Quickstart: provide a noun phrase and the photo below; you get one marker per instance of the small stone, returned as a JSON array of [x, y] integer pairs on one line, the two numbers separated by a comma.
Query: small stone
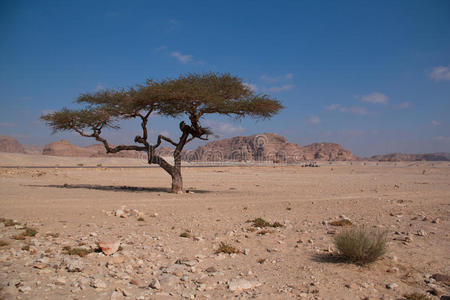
[[242, 284], [421, 233], [60, 281], [154, 215], [74, 265], [155, 284], [120, 213], [109, 248], [391, 286], [98, 284], [436, 221], [211, 270], [138, 283], [24, 289], [246, 251]]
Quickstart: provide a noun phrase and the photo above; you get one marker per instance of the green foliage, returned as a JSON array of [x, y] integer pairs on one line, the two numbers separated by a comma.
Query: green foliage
[[193, 95], [361, 246]]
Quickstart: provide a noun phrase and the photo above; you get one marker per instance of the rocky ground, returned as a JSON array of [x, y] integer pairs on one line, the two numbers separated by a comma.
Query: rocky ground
[[169, 243]]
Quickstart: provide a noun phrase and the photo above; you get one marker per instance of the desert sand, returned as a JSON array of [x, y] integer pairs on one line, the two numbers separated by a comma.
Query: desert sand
[[77, 207]]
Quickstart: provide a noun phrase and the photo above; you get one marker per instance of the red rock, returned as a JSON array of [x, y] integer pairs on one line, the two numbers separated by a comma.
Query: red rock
[[109, 248]]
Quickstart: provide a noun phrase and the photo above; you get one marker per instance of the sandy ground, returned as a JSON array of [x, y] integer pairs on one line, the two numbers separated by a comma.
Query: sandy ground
[[409, 200]]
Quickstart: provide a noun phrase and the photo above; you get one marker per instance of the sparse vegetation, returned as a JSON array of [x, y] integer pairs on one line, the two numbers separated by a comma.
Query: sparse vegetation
[[261, 260], [8, 222], [26, 248], [342, 223], [141, 219], [186, 234], [28, 232], [82, 252], [260, 222], [416, 296], [361, 246], [226, 248], [3, 243]]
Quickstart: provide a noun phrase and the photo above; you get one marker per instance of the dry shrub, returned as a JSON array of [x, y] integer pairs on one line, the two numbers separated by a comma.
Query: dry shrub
[[342, 223], [226, 248], [260, 222], [76, 251], [416, 296], [361, 246], [8, 222], [3, 243]]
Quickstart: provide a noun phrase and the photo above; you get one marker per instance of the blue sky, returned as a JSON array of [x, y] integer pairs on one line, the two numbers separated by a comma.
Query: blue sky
[[373, 76]]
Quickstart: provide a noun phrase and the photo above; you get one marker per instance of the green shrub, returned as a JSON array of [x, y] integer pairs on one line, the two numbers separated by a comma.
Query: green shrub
[[361, 246]]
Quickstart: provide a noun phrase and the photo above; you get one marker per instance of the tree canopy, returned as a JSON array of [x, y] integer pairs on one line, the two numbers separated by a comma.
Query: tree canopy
[[189, 97]]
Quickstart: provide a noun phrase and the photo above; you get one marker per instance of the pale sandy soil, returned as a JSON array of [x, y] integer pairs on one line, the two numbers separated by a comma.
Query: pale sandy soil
[[400, 198]]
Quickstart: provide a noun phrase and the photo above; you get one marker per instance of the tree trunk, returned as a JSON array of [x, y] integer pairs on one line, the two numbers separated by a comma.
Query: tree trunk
[[177, 182]]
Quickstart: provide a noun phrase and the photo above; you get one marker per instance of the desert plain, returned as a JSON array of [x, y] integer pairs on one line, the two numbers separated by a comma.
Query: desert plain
[[96, 200]]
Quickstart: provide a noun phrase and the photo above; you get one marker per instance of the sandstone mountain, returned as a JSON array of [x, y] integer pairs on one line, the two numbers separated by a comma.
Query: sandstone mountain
[[412, 157], [65, 148], [266, 147], [9, 144]]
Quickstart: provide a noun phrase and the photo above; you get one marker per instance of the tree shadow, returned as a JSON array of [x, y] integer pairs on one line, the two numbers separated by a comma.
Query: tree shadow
[[116, 188]]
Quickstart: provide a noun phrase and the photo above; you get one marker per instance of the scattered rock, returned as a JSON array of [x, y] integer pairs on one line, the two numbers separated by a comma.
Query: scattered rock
[[109, 248], [155, 284], [242, 284], [391, 286], [98, 283]]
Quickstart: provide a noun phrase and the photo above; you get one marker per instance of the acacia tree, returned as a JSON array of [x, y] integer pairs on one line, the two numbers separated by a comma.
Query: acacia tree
[[189, 97]]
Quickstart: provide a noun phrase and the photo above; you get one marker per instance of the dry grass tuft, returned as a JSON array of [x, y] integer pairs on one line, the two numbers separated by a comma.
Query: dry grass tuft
[[3, 243], [342, 223], [226, 248], [416, 296], [8, 222], [361, 246], [82, 252], [141, 219], [261, 260], [260, 222], [53, 235]]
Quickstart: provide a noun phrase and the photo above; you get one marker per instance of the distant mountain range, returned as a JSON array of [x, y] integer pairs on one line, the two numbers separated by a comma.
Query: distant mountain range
[[264, 147]]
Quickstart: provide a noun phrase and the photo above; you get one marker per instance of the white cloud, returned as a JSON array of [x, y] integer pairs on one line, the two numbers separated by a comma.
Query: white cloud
[[441, 73], [223, 128], [182, 58], [375, 98], [282, 88], [435, 123], [404, 105], [7, 124], [314, 120], [252, 87], [99, 88], [357, 110]]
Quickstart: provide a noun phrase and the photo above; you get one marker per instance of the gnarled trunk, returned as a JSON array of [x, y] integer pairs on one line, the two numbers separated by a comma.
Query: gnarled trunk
[[177, 182]]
